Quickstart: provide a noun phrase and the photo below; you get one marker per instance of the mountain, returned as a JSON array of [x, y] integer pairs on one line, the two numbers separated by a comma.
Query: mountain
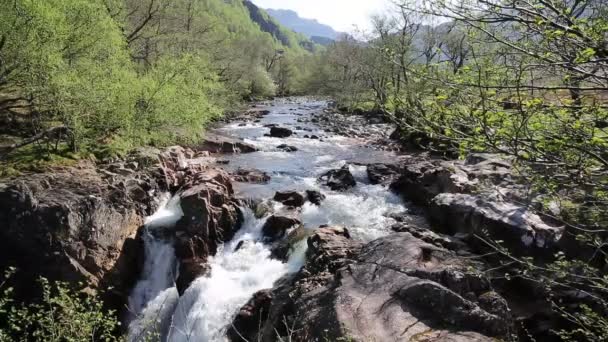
[[308, 27], [283, 33]]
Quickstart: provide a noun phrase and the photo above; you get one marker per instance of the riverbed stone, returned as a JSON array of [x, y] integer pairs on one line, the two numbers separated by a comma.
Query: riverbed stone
[[276, 226], [287, 148], [216, 143], [253, 176], [290, 198], [382, 173], [280, 132], [338, 180], [315, 197]]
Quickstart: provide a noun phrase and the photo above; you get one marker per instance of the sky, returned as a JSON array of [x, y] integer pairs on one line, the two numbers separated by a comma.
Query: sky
[[342, 15]]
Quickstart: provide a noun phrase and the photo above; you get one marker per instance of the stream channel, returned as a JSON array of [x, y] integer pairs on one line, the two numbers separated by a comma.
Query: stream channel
[[206, 309]]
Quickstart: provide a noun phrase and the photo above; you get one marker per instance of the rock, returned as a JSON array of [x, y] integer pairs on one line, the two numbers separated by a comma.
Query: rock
[[338, 180], [522, 231], [211, 216], [382, 173], [276, 226], [250, 176], [290, 198], [189, 271], [259, 207], [280, 132], [287, 148], [396, 288], [315, 197], [79, 225], [245, 324], [420, 182], [216, 143]]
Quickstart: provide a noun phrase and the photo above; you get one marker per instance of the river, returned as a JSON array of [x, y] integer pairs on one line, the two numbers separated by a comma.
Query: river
[[207, 308]]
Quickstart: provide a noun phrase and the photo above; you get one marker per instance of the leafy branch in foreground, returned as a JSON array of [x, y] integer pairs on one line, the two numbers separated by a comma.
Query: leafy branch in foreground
[[61, 314]]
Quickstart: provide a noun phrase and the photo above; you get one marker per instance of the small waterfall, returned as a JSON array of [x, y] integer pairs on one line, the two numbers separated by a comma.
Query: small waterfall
[[206, 309], [209, 305], [153, 300]]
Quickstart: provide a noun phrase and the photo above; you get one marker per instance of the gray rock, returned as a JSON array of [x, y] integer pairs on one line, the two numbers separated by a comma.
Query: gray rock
[[216, 143], [383, 173], [290, 198], [315, 197], [521, 230], [280, 132], [338, 180], [396, 288], [276, 226], [250, 176]]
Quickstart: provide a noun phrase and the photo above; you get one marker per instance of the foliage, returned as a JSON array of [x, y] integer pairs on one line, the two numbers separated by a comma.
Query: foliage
[[60, 315], [526, 79], [126, 73]]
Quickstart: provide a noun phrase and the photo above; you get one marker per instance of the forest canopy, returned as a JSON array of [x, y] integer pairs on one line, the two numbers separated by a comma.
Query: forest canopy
[[82, 75]]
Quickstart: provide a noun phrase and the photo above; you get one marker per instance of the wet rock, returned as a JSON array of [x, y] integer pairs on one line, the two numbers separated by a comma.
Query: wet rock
[[522, 231], [396, 288], [338, 180], [280, 132], [315, 197], [276, 226], [290, 198], [383, 173], [216, 143], [189, 271], [211, 216], [250, 176], [259, 207], [244, 327], [281, 249], [287, 148]]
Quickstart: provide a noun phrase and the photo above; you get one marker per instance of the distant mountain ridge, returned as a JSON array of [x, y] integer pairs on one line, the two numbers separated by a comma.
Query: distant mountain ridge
[[309, 27]]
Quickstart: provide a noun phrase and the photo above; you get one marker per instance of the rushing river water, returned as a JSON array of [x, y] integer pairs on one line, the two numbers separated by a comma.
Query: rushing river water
[[207, 308]]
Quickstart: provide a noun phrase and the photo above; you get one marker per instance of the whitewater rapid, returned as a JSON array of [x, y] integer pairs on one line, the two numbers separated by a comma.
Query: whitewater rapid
[[206, 309]]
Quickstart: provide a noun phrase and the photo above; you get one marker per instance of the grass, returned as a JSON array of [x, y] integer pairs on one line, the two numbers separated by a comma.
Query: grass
[[35, 158]]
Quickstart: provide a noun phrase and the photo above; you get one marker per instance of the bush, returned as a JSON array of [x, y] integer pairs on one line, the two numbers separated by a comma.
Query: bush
[[61, 314]]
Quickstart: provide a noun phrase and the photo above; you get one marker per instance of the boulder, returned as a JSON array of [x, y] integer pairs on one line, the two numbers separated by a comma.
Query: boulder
[[315, 197], [382, 173], [280, 132], [396, 288], [216, 143], [211, 216], [420, 182], [290, 198], [338, 180], [521, 230], [287, 148], [276, 226], [244, 327], [250, 176]]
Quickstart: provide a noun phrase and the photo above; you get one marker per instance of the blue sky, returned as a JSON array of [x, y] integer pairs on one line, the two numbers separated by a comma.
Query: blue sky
[[342, 15]]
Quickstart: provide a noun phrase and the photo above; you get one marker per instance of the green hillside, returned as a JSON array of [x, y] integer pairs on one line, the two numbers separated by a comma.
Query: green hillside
[[123, 73]]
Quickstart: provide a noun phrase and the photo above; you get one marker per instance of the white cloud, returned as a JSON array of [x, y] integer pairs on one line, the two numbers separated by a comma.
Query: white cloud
[[342, 15]]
